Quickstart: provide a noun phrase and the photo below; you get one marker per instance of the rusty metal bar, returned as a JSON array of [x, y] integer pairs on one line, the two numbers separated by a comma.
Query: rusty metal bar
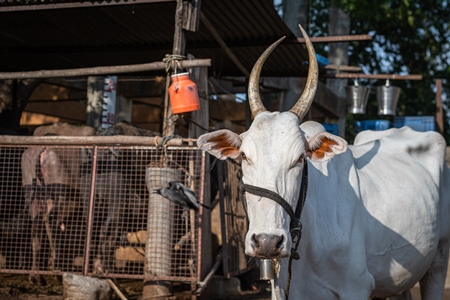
[[154, 66], [90, 217], [90, 140], [115, 275], [110, 275], [27, 271], [220, 174], [338, 38], [375, 76], [203, 284], [200, 216]]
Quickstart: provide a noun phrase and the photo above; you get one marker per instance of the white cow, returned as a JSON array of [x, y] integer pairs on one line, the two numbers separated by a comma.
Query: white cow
[[376, 214]]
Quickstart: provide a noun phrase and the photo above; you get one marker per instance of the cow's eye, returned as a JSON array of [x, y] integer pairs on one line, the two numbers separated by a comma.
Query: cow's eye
[[243, 156], [301, 159]]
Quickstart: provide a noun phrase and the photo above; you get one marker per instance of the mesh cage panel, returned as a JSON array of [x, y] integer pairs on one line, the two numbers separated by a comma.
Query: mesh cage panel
[[94, 210], [235, 222]]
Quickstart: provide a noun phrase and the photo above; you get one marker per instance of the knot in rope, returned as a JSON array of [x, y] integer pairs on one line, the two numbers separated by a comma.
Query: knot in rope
[[173, 62]]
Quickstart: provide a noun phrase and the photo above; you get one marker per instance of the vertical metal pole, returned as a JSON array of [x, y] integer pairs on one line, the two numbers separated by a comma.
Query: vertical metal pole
[[90, 214], [439, 111]]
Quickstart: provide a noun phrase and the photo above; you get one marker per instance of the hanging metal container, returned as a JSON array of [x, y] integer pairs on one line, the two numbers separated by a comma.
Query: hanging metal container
[[387, 97], [357, 98]]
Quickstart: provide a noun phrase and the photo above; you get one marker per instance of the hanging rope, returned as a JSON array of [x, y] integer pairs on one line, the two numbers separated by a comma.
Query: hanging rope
[[173, 62]]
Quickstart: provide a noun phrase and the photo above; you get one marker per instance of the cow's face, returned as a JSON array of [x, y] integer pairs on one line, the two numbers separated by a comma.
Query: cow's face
[[274, 151]]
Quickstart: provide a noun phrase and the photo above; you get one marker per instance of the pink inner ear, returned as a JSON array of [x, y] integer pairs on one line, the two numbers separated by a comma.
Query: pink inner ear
[[321, 147], [231, 152], [223, 144]]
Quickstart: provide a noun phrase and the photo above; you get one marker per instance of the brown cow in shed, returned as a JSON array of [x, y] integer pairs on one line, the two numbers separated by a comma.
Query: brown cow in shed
[[51, 180]]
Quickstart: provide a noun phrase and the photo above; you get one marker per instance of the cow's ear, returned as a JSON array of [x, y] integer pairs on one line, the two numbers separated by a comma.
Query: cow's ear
[[324, 146], [222, 144]]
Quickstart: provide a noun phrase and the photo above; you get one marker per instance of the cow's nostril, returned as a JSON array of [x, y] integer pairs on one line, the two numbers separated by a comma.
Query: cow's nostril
[[280, 242], [255, 241]]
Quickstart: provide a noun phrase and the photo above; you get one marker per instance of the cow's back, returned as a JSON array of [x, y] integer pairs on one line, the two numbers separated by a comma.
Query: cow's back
[[57, 165], [64, 129], [402, 175]]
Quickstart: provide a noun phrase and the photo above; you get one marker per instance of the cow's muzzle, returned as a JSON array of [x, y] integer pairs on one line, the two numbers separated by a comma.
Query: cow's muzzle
[[268, 245]]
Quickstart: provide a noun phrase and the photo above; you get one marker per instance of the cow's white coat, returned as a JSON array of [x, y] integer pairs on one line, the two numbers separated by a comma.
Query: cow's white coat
[[376, 218]]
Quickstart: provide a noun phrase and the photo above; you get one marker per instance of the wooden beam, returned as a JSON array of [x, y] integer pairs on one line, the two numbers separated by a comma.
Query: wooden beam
[[337, 38], [46, 6], [154, 66], [178, 48], [191, 15], [374, 76], [223, 45], [343, 68]]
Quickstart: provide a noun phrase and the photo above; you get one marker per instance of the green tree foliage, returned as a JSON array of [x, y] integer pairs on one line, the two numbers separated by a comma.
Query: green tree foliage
[[409, 37]]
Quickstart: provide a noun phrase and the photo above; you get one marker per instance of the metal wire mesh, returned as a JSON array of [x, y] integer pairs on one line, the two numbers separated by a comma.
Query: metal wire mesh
[[94, 210]]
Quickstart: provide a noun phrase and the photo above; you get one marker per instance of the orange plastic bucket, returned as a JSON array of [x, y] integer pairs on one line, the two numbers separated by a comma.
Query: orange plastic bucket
[[183, 94]]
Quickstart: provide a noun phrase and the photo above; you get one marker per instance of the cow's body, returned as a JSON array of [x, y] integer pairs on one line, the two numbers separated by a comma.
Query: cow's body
[[404, 183], [375, 220], [375, 212], [51, 181]]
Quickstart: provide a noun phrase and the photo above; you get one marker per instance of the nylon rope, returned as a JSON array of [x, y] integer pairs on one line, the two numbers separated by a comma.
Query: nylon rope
[[173, 62]]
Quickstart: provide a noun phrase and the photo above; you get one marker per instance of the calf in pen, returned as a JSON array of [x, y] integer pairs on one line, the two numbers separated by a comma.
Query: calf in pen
[[51, 180]]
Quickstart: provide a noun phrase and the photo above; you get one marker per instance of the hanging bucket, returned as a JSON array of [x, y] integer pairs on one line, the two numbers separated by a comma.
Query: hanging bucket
[[183, 94], [387, 97], [357, 99]]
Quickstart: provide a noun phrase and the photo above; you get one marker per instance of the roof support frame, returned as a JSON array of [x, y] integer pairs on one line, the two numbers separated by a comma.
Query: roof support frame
[[46, 6]]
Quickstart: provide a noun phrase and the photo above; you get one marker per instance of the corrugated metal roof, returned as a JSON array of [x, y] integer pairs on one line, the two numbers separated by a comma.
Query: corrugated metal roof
[[141, 33]]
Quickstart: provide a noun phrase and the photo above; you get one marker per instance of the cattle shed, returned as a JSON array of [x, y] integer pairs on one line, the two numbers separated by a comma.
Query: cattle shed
[[59, 48], [61, 35]]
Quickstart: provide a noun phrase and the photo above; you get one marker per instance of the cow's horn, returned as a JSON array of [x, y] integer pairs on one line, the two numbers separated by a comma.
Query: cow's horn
[[304, 102], [254, 98]]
